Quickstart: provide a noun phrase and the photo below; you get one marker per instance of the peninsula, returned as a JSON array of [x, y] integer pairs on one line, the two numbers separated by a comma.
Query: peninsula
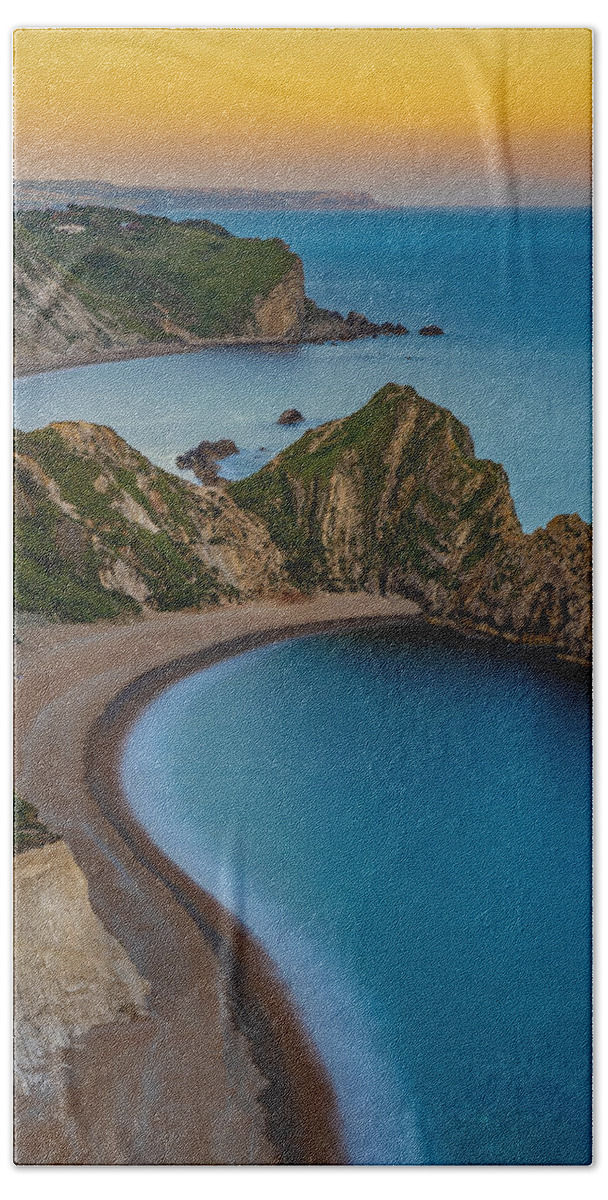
[[389, 501], [97, 284]]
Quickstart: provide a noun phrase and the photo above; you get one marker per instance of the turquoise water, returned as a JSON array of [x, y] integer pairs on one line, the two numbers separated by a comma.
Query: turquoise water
[[510, 287], [406, 826]]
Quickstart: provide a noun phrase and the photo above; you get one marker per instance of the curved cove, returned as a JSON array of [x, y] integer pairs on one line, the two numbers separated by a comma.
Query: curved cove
[[405, 824]]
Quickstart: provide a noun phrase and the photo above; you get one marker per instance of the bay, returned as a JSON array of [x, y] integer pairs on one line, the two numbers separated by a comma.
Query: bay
[[510, 287]]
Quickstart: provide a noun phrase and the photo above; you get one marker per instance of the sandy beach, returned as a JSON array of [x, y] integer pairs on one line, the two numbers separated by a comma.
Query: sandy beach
[[139, 350], [220, 1070]]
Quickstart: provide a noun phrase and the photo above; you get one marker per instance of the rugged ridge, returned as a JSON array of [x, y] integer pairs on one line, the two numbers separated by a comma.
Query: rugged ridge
[[393, 500], [94, 284], [101, 532]]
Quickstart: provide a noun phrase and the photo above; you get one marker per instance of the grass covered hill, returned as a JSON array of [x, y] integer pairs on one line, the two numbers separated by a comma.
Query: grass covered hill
[[96, 283], [389, 500], [101, 532], [393, 499], [138, 278]]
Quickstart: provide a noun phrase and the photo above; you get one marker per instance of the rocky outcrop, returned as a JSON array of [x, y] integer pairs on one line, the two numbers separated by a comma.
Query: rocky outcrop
[[101, 532], [71, 976], [291, 416], [430, 331], [279, 316], [393, 500], [203, 459], [324, 325]]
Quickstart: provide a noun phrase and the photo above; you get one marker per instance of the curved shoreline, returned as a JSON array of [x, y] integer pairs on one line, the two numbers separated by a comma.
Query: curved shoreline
[[78, 691], [150, 350], [159, 349], [303, 1119]]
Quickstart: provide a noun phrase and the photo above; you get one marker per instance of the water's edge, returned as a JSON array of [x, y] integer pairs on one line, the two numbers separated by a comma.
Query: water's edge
[[302, 1108], [302, 1112]]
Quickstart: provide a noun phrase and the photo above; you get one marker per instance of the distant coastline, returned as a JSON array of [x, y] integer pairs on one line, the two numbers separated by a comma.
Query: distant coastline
[[58, 193], [40, 193]]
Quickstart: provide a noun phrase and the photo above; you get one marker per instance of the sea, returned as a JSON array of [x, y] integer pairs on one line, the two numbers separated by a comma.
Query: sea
[[510, 287], [405, 823]]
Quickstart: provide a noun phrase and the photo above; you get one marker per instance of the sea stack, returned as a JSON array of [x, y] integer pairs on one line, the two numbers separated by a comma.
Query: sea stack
[[291, 416]]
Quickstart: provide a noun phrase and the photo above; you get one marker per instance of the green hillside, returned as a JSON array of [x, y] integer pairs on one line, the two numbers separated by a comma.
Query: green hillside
[[101, 532], [393, 499], [146, 271]]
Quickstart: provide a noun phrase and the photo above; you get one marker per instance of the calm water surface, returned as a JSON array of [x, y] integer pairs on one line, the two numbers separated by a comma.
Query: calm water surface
[[510, 287], [406, 826]]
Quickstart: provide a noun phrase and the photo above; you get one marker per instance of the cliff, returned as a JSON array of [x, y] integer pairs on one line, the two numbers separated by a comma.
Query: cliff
[[95, 283], [101, 532], [393, 500], [71, 977]]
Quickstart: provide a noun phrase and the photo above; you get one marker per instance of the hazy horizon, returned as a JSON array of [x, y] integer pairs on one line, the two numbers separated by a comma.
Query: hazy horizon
[[416, 117], [562, 202]]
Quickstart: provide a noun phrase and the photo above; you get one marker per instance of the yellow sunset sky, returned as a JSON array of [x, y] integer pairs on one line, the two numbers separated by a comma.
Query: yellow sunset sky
[[410, 115]]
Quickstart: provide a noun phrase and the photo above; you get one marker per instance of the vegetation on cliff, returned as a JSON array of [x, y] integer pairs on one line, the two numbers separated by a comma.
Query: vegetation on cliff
[[390, 500], [29, 832], [393, 499], [93, 282], [101, 532], [156, 278]]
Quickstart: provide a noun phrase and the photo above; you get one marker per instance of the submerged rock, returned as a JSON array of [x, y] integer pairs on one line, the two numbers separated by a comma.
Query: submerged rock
[[291, 416], [430, 331]]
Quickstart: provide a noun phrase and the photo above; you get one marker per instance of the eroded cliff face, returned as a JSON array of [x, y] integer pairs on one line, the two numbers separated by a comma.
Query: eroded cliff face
[[98, 284], [51, 322], [279, 316], [393, 500], [71, 975], [101, 532]]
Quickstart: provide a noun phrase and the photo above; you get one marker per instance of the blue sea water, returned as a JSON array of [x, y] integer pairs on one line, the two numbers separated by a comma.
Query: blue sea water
[[406, 826], [510, 287]]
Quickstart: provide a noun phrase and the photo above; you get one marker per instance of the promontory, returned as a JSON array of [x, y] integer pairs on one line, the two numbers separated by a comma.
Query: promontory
[[97, 284]]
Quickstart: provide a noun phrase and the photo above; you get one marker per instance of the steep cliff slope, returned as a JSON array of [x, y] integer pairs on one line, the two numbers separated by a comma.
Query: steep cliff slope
[[92, 282], [393, 499], [101, 532], [389, 500]]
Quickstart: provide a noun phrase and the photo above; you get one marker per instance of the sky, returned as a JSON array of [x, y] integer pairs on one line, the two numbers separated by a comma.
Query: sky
[[412, 116]]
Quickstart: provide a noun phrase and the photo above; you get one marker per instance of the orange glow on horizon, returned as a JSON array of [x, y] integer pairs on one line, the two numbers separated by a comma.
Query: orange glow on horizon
[[233, 107]]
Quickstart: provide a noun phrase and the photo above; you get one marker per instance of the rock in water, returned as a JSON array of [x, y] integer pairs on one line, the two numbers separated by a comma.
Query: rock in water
[[203, 459], [291, 416], [430, 330]]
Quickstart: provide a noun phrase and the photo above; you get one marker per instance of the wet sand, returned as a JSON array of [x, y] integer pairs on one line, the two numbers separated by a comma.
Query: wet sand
[[222, 1069]]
